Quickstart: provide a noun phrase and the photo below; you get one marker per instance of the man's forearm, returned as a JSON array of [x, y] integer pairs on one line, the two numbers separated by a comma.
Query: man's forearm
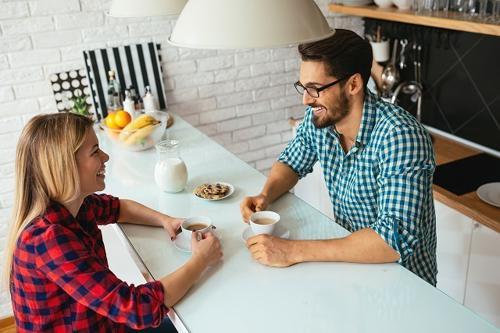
[[280, 180], [362, 246]]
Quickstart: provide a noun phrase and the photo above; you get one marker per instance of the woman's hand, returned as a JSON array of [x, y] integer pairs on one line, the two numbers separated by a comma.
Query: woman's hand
[[172, 225], [206, 247]]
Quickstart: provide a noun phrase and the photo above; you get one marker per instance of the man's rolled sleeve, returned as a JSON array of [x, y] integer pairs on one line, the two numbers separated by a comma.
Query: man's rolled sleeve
[[64, 260], [405, 181], [300, 154]]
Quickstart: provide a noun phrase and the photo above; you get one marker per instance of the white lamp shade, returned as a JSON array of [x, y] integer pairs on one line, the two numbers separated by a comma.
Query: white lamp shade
[[141, 8], [234, 24]]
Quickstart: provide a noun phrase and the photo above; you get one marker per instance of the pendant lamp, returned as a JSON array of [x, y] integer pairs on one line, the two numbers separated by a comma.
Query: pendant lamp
[[235, 24], [142, 8]]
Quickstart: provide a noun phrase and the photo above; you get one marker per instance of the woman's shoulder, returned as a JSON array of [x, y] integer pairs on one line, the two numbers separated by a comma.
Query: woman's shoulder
[[38, 231]]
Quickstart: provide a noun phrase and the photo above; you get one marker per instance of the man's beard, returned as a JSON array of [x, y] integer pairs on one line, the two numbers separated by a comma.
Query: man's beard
[[334, 115]]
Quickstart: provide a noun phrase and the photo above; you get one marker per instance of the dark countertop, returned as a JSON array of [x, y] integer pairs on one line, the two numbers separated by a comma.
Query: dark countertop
[[468, 204]]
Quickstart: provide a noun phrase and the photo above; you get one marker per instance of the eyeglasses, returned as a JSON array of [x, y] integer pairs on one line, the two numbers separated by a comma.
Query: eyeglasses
[[313, 91]]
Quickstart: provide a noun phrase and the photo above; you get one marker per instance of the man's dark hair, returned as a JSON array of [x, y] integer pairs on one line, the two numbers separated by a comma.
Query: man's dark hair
[[344, 53]]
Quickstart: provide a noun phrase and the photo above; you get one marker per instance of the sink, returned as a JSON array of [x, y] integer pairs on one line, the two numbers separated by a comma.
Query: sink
[[467, 174]]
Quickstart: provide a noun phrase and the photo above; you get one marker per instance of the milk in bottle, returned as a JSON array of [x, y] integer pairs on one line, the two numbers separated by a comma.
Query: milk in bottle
[[170, 170]]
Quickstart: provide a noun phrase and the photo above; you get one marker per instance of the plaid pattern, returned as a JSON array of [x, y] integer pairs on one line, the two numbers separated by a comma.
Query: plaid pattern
[[384, 182], [61, 282]]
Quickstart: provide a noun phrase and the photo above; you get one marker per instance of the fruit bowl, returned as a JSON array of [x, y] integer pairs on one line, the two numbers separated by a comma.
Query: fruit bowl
[[142, 133]]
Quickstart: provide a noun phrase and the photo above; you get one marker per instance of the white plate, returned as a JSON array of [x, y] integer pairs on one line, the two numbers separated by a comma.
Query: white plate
[[231, 191], [490, 193], [183, 246], [279, 231]]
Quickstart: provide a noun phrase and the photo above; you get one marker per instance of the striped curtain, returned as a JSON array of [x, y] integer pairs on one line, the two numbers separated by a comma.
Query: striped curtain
[[136, 65]]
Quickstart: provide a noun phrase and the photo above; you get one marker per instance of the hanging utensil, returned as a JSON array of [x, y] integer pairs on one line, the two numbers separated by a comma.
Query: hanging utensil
[[419, 63], [390, 74], [402, 63]]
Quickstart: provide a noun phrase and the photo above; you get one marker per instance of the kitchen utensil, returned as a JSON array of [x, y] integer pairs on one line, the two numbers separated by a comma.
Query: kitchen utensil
[[390, 74], [402, 63], [419, 63]]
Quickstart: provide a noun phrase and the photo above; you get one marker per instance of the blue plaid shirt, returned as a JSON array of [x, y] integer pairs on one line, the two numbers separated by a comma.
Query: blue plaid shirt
[[384, 182]]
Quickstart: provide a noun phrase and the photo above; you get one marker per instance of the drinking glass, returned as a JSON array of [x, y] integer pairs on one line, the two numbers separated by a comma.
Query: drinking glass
[[496, 12]]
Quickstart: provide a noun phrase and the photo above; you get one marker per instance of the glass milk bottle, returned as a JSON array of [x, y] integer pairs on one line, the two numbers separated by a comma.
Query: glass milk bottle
[[170, 170]]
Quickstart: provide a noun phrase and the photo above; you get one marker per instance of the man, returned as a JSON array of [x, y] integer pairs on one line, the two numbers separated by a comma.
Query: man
[[377, 162]]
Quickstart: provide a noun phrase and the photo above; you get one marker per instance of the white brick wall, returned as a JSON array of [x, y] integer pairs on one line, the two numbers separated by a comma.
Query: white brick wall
[[240, 98]]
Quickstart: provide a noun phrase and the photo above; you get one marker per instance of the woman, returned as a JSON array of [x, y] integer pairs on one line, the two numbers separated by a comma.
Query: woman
[[59, 275]]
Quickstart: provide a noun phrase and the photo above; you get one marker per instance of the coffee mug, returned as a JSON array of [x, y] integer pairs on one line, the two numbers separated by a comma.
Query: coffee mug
[[264, 222], [200, 224]]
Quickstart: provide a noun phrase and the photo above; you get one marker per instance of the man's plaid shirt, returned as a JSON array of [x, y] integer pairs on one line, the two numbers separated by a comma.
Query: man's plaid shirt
[[61, 282], [384, 182]]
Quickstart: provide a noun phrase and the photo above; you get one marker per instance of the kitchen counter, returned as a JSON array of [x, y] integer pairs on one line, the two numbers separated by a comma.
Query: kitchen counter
[[468, 204]]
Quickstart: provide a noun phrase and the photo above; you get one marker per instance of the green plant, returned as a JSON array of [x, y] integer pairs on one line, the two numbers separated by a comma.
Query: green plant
[[80, 105]]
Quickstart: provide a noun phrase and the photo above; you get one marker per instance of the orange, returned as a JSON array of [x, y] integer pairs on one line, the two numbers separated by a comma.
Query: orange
[[110, 121], [122, 118]]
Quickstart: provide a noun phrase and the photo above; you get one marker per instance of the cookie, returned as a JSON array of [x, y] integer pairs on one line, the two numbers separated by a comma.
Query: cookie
[[211, 191]]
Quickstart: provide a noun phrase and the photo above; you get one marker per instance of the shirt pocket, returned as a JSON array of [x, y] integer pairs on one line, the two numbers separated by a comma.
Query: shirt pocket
[[363, 187]]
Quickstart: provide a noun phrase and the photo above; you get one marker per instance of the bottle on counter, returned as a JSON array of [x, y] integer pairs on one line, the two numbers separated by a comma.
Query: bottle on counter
[[135, 97], [114, 93], [148, 101], [129, 104]]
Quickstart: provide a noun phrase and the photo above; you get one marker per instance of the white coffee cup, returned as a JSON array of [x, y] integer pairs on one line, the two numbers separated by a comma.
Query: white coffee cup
[[200, 224], [380, 50], [264, 222]]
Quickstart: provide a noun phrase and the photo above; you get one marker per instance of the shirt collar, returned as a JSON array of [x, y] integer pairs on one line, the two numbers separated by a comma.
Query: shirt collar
[[57, 213], [368, 118]]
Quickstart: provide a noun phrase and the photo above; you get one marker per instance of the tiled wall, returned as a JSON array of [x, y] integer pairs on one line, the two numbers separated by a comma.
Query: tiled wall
[[461, 74], [240, 98]]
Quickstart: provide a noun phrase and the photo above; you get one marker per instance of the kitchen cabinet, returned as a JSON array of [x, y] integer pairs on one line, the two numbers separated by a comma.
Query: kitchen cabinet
[[120, 261], [454, 233], [482, 292], [312, 189]]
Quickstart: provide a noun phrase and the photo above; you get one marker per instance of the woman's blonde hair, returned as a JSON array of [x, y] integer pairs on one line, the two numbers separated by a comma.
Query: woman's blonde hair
[[45, 170]]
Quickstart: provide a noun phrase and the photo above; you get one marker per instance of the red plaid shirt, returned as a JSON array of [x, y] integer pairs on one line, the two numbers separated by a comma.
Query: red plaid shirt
[[61, 282]]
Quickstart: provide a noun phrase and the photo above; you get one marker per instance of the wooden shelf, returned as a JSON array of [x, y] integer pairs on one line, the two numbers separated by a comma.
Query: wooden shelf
[[438, 20]]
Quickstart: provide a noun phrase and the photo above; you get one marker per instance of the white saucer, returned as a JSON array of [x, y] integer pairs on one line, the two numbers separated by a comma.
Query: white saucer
[[490, 193], [180, 244], [183, 246], [279, 231]]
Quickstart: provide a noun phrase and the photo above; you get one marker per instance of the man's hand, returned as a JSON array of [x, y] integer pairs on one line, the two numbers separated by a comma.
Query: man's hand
[[271, 251], [250, 205]]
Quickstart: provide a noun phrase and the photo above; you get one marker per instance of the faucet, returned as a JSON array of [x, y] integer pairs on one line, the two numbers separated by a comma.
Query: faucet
[[414, 89]]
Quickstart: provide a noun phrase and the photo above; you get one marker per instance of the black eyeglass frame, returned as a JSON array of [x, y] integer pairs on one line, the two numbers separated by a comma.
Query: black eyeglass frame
[[298, 86]]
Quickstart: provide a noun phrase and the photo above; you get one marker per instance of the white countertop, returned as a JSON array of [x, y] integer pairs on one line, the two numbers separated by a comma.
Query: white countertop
[[241, 295]]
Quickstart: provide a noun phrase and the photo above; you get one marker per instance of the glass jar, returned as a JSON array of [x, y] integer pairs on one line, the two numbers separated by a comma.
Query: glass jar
[[170, 170]]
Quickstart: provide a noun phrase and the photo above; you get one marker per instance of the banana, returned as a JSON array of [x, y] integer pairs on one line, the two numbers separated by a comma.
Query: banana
[[140, 122], [139, 136]]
